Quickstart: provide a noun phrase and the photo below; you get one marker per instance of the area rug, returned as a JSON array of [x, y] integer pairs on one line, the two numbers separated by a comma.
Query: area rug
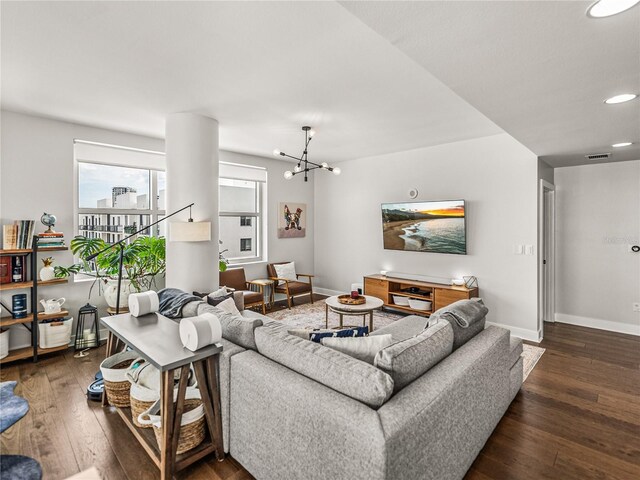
[[12, 407], [312, 315], [530, 356]]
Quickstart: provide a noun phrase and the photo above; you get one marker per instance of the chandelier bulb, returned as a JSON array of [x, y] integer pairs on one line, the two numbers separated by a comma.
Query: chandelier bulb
[[324, 165], [336, 170], [288, 174], [296, 168], [276, 152], [312, 133]]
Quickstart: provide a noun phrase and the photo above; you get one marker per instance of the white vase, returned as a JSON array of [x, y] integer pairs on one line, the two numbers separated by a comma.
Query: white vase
[[111, 293], [47, 273]]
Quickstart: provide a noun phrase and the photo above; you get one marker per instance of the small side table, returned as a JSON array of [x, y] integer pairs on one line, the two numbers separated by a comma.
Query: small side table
[[266, 282], [157, 339], [367, 308]]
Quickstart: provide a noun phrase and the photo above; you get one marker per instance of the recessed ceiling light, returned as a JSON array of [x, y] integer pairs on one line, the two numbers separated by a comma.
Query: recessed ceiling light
[[622, 144], [606, 8], [625, 97]]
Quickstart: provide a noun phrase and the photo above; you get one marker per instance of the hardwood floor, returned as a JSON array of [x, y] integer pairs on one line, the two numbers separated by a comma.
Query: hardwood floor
[[576, 417]]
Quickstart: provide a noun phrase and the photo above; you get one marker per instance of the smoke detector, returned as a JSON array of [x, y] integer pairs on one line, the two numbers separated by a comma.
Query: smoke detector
[[597, 156]]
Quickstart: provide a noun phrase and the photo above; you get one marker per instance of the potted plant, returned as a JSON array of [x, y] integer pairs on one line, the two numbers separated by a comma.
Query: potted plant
[[142, 261]]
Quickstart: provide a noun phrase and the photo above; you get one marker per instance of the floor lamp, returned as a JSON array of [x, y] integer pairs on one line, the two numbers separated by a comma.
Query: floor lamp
[[189, 231]]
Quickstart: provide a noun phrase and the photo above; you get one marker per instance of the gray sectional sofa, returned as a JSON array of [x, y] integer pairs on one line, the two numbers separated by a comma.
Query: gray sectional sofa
[[294, 409]]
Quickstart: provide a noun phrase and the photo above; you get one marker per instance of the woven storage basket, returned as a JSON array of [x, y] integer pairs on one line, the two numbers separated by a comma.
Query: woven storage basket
[[114, 372], [191, 427], [145, 388]]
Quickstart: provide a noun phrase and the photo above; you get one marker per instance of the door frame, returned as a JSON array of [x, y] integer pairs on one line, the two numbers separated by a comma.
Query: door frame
[[546, 242]]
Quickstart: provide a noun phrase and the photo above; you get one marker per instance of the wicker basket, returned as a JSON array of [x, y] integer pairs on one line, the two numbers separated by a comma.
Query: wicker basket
[[191, 434], [116, 384], [192, 424], [145, 388]]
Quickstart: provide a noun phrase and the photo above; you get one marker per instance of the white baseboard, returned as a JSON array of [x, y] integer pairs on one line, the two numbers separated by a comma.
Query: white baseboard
[[327, 292], [598, 323], [523, 333]]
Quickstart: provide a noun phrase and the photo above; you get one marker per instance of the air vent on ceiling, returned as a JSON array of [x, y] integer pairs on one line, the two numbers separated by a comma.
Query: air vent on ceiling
[[597, 156]]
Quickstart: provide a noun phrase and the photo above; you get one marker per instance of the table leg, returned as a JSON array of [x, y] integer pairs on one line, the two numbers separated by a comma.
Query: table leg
[[371, 321], [341, 325], [167, 455], [208, 385], [182, 390], [326, 315]]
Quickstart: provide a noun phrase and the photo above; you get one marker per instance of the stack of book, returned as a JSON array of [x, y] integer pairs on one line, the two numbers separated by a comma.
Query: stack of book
[[19, 235], [50, 239]]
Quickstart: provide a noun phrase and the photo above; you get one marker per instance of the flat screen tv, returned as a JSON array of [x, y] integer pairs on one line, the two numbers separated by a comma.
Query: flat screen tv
[[437, 227]]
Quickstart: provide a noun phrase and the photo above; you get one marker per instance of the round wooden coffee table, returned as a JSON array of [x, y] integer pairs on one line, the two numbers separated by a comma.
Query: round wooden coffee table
[[363, 310]]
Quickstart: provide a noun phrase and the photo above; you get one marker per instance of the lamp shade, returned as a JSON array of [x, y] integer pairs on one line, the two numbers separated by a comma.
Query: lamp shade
[[190, 232]]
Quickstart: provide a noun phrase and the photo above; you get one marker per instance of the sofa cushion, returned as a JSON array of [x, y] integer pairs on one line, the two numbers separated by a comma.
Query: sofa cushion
[[362, 348], [403, 328], [462, 335], [295, 288], [515, 350], [342, 373], [235, 328], [229, 349], [409, 359]]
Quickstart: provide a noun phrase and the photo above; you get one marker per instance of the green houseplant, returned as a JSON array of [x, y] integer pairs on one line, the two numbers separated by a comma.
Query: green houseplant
[[142, 261]]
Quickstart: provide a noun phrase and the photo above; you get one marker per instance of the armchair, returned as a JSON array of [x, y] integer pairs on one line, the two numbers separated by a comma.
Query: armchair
[[291, 288], [235, 278]]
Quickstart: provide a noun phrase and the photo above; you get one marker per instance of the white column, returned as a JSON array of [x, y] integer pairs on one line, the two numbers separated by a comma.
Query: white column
[[192, 177]]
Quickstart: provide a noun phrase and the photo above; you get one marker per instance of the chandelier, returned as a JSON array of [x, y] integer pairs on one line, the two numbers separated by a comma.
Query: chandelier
[[304, 165]]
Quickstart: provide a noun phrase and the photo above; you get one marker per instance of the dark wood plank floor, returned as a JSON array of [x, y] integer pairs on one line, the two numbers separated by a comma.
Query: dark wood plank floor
[[576, 417]]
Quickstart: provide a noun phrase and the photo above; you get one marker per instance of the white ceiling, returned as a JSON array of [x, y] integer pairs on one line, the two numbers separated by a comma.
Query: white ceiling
[[539, 69], [363, 74], [262, 69]]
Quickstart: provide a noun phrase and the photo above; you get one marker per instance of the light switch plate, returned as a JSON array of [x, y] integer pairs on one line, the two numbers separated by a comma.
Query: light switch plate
[[528, 249], [518, 249]]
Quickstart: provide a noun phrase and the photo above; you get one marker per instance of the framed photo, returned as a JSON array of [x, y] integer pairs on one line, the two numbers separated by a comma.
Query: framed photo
[[292, 220]]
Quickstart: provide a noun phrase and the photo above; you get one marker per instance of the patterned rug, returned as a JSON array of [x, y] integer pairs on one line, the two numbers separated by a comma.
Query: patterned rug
[[313, 316], [530, 357]]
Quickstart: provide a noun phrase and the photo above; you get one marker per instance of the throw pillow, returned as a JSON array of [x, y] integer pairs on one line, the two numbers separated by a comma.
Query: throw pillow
[[362, 348], [213, 300], [228, 305], [347, 332], [286, 271], [409, 359]]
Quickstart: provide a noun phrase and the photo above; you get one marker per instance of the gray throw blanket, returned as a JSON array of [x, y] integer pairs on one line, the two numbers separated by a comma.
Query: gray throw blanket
[[172, 300], [465, 312]]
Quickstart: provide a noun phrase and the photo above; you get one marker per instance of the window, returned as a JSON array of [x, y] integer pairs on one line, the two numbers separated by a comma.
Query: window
[[245, 244], [242, 189], [120, 191]]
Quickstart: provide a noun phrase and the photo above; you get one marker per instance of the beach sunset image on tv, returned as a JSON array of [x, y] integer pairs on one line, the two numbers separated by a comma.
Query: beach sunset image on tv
[[437, 227]]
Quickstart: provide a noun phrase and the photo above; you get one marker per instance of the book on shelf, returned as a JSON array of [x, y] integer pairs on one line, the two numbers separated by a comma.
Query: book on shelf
[[53, 239], [9, 237], [50, 234], [19, 235]]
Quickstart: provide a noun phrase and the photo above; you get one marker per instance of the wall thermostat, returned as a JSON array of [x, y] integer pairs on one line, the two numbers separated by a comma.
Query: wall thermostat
[[413, 193]]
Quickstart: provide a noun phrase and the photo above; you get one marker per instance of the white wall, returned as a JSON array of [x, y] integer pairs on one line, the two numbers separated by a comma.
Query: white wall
[[36, 175], [597, 217], [279, 190], [496, 176]]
